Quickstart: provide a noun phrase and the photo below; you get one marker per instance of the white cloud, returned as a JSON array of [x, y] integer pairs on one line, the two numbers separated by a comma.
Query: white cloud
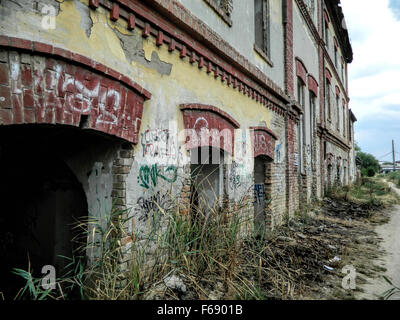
[[374, 75]]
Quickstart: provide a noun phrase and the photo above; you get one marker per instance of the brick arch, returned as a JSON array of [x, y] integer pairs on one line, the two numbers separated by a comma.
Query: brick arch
[[328, 75], [337, 90], [263, 140], [326, 17], [301, 70], [198, 117], [42, 84], [312, 85]]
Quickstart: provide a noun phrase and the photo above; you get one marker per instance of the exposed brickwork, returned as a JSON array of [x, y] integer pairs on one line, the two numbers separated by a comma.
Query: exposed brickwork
[[196, 106], [40, 47], [301, 70], [328, 75], [38, 89], [200, 117], [186, 192], [312, 85], [288, 45], [263, 141]]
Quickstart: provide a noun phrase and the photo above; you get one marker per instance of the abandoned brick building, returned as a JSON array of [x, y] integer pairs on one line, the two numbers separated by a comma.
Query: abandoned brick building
[[94, 95]]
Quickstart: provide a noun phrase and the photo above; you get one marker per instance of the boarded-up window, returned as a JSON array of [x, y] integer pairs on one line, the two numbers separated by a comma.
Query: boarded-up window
[[261, 19]]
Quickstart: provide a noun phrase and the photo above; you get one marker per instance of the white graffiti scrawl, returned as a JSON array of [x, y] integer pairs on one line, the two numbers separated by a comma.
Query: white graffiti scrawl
[[56, 91]]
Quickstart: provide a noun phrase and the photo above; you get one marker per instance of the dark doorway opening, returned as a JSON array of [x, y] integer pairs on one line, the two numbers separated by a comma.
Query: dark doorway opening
[[262, 166], [206, 169], [41, 198]]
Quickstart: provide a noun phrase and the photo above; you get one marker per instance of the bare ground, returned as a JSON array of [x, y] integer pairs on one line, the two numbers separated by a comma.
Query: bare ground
[[389, 260]]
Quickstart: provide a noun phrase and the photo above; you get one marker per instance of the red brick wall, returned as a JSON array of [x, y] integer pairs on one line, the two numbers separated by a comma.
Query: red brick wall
[[41, 89], [289, 58], [199, 117], [290, 176]]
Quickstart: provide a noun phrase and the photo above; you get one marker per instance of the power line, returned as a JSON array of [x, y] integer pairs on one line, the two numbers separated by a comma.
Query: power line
[[389, 153]]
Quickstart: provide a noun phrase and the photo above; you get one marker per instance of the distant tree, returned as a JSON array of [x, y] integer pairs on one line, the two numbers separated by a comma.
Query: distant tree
[[369, 164]]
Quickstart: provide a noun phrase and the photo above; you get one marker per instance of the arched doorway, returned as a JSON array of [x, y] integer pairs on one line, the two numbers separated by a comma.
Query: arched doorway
[[262, 189], [264, 152], [42, 196]]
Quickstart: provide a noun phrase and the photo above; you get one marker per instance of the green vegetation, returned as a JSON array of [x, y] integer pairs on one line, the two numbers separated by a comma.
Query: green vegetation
[[210, 256], [394, 177], [371, 191], [369, 164], [391, 292]]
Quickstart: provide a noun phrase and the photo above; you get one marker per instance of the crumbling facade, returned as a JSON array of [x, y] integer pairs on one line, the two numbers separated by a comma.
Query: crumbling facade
[[146, 86]]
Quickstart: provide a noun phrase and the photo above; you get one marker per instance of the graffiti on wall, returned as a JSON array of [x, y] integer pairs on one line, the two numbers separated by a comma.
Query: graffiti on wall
[[234, 178], [52, 91], [259, 194], [149, 175], [155, 202], [296, 159], [278, 153], [208, 128], [264, 144], [158, 143]]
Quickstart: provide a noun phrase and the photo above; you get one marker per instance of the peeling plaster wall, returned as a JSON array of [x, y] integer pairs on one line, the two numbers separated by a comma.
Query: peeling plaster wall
[[93, 168]]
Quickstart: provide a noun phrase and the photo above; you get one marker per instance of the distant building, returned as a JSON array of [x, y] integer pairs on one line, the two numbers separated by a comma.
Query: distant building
[[386, 168]]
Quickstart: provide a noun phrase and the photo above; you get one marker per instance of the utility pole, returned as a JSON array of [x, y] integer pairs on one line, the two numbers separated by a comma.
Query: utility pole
[[394, 157]]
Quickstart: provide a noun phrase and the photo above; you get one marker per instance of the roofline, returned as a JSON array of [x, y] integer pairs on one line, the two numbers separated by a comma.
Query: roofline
[[353, 117], [338, 20]]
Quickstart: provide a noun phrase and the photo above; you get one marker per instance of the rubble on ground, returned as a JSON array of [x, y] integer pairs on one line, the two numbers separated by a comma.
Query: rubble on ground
[[301, 260]]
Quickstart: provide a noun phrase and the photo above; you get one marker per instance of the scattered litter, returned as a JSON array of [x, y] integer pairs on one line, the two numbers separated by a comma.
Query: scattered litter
[[335, 259], [175, 283], [287, 239], [328, 268]]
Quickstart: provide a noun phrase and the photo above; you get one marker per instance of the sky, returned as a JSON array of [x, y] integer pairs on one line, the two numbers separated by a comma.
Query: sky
[[374, 74]]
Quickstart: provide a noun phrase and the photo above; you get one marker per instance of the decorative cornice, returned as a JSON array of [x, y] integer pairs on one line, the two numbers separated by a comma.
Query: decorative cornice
[[200, 38], [328, 135]]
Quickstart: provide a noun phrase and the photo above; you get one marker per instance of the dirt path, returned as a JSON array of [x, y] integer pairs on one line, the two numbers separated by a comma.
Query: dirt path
[[390, 233]]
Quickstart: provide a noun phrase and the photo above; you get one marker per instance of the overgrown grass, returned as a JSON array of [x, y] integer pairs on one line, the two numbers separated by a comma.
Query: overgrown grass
[[394, 177], [215, 254], [371, 191], [202, 251]]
